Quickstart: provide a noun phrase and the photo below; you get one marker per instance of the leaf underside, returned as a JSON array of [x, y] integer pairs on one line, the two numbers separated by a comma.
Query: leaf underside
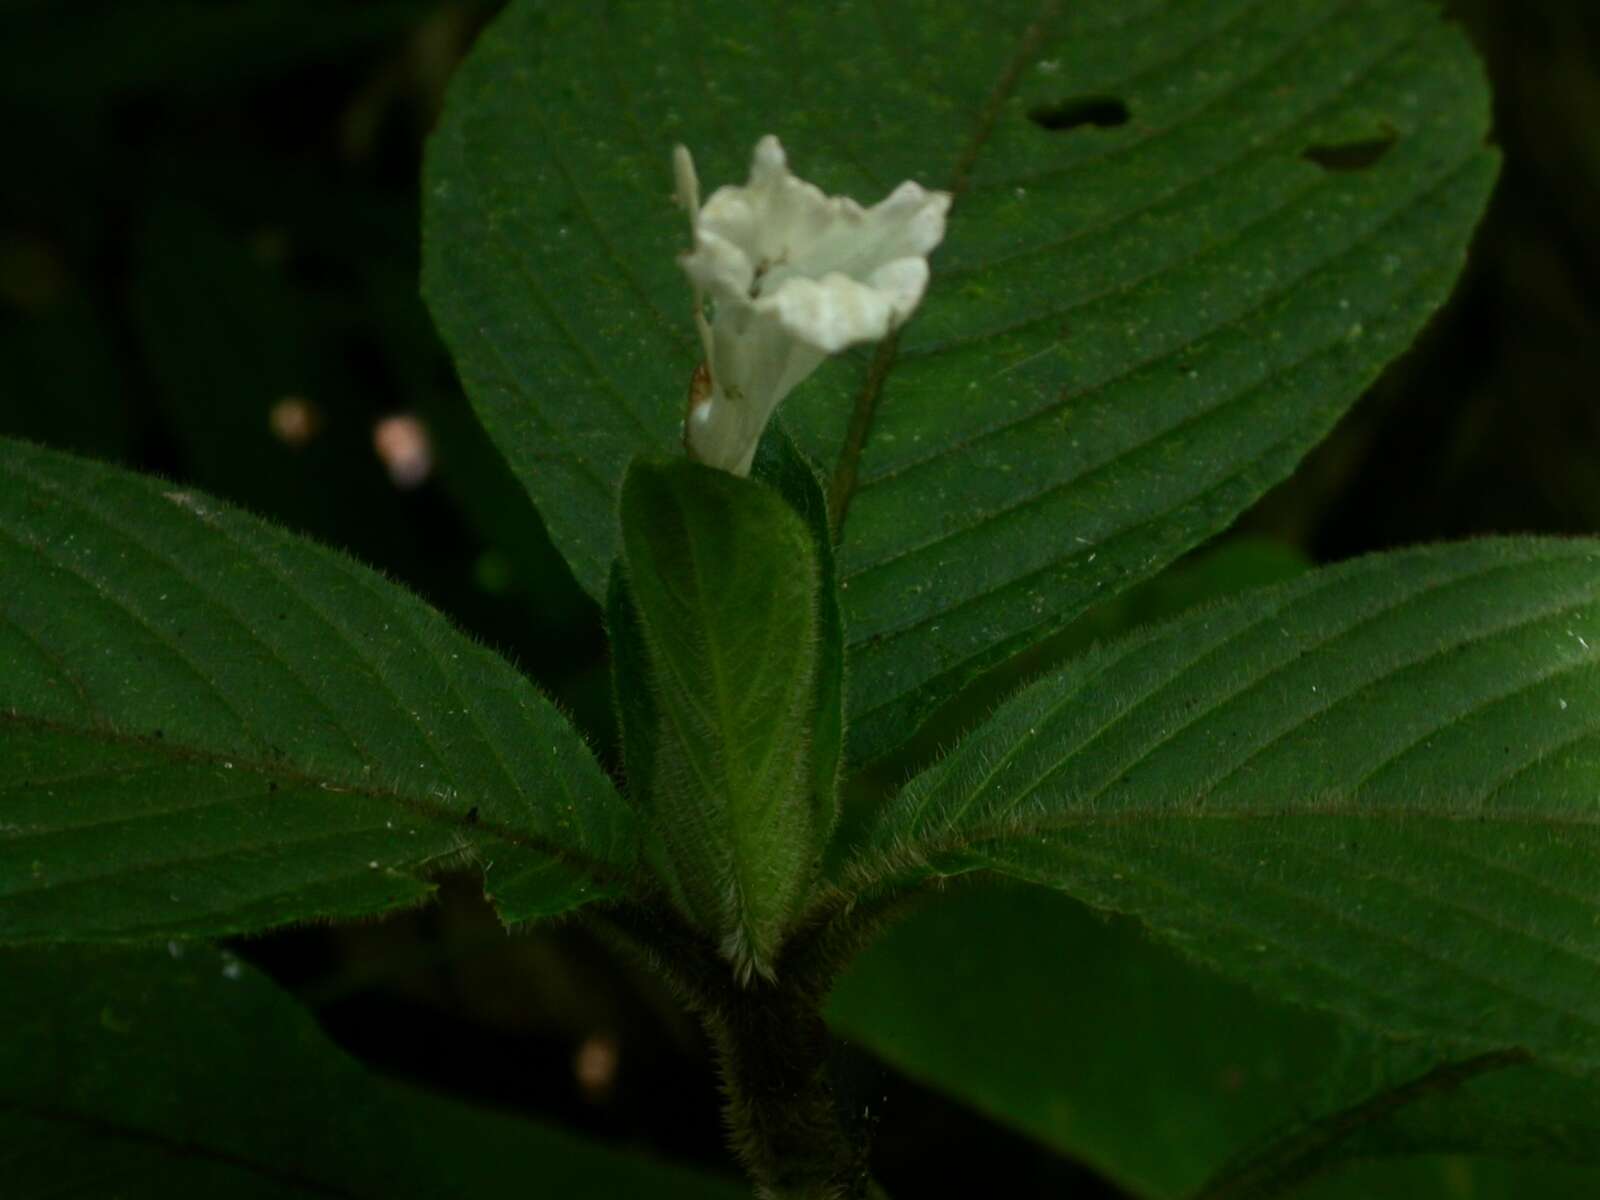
[[1147, 309], [210, 726]]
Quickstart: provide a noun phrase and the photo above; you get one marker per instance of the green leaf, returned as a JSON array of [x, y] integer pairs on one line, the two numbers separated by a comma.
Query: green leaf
[[1371, 790], [1115, 1051], [781, 466], [210, 726], [134, 1074], [1435, 1177], [1498, 1103], [1225, 567], [1134, 327], [723, 579]]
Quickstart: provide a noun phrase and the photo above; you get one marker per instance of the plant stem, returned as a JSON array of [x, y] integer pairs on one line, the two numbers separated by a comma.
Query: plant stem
[[772, 1048], [782, 1118]]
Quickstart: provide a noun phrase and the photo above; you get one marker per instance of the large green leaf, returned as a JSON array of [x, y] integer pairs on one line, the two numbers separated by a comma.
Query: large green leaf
[[1133, 328], [136, 1074], [208, 725], [1115, 1051], [1372, 790], [722, 645]]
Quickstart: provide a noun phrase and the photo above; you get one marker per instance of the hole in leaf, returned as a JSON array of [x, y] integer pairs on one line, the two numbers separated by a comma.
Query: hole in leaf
[[1103, 112], [1351, 156]]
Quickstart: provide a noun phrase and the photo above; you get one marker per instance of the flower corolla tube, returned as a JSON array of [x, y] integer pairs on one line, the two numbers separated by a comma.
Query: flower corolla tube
[[792, 276]]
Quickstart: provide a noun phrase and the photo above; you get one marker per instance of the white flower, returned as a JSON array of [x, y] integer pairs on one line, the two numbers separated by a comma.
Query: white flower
[[793, 276]]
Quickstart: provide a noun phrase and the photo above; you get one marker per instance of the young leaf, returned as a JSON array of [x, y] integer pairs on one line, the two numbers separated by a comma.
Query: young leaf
[[1166, 274], [210, 726], [139, 1074], [1114, 1050], [722, 576], [781, 466], [1371, 790]]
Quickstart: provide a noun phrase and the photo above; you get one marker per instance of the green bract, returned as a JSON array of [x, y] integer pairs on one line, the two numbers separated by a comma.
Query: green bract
[[722, 580]]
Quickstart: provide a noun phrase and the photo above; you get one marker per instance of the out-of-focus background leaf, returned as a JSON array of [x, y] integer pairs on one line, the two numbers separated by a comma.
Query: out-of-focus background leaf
[[155, 1072], [209, 216], [1086, 1034]]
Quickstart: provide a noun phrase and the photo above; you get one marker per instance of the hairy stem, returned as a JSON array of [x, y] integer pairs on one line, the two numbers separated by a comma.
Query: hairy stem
[[784, 1121], [782, 1118]]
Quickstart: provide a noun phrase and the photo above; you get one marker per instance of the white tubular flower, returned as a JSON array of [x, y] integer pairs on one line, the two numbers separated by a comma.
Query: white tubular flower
[[794, 276]]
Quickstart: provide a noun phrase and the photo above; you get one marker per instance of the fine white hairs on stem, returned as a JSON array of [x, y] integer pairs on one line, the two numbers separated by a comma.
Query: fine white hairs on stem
[[793, 276]]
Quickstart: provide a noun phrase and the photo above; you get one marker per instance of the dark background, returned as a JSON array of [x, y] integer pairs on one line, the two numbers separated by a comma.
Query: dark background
[[209, 212]]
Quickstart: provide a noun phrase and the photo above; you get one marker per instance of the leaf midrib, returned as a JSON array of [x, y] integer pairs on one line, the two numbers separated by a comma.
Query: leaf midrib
[[1175, 126], [846, 475], [1402, 209], [1001, 832], [1183, 671], [263, 555], [123, 872], [744, 863], [280, 770], [843, 480]]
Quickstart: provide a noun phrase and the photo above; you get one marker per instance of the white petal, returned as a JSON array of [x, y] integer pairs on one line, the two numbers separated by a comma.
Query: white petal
[[688, 183], [719, 266], [909, 223], [902, 282], [797, 275], [830, 313], [755, 365], [731, 214], [911, 219], [788, 227], [769, 162]]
